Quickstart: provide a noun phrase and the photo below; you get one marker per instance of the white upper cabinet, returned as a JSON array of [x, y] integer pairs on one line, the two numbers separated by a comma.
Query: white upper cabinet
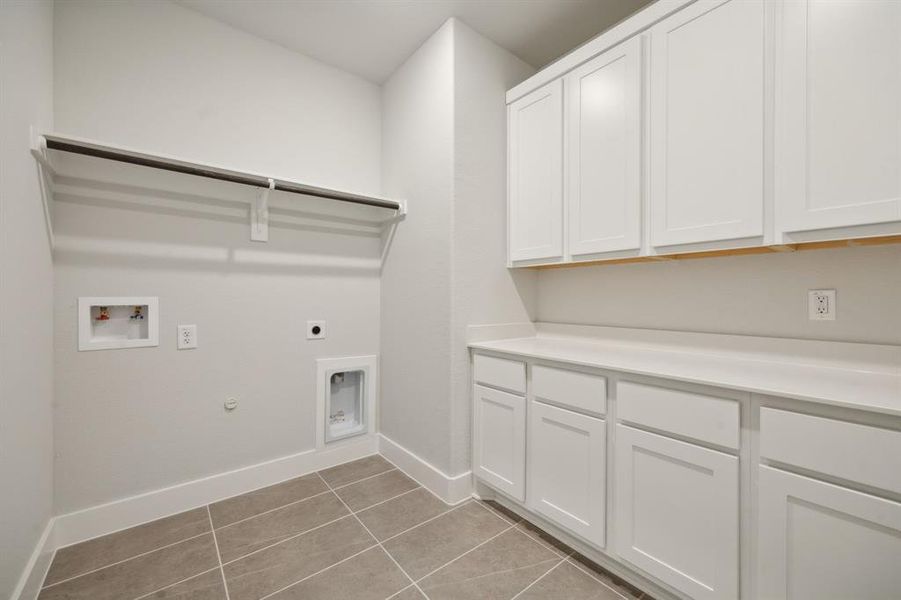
[[708, 98], [603, 160], [838, 114], [535, 175]]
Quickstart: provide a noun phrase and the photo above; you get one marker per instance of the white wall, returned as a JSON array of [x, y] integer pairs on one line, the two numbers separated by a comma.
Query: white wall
[[417, 164], [444, 150], [756, 295], [484, 290], [157, 76], [26, 288]]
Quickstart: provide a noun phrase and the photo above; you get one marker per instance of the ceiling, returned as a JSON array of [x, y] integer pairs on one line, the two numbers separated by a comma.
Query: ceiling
[[371, 38]]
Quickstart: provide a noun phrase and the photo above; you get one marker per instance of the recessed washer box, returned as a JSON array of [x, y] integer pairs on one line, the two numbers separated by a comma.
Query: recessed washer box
[[116, 322]]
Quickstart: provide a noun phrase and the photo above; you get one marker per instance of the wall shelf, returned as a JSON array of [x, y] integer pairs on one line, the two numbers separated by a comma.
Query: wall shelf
[[68, 158]]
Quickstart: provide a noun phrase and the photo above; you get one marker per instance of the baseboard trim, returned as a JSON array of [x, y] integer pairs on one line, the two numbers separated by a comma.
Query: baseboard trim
[[107, 518], [38, 564], [450, 489]]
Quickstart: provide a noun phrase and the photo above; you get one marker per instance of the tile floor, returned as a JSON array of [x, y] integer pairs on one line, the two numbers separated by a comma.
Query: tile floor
[[356, 531]]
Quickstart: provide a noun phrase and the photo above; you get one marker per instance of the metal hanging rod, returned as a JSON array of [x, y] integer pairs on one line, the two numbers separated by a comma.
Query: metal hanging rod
[[89, 148]]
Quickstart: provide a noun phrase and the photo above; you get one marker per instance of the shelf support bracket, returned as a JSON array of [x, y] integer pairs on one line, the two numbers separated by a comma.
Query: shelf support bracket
[[259, 215], [46, 173]]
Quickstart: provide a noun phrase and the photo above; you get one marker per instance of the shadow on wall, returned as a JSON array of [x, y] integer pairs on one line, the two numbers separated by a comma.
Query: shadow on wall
[[207, 228]]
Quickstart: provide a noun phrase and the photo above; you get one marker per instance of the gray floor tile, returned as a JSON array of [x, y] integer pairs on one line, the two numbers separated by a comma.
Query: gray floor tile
[[545, 538], [566, 582], [429, 546], [267, 498], [270, 570], [142, 575], [356, 470], [503, 512], [368, 576], [499, 570], [115, 547], [411, 593], [375, 489], [258, 532], [395, 516], [207, 586], [626, 589]]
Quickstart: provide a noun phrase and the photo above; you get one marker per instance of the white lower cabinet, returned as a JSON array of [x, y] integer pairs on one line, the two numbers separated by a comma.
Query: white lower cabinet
[[499, 440], [677, 512], [823, 541], [567, 470]]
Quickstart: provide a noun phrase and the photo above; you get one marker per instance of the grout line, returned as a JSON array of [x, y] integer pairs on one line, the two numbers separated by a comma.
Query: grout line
[[287, 539], [218, 555], [585, 570], [124, 560], [344, 485], [266, 512], [367, 549], [476, 547], [171, 585], [430, 519], [418, 487], [546, 573], [400, 591], [388, 554]]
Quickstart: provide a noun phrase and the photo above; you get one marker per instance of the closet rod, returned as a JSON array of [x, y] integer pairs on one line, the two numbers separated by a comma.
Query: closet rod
[[65, 145]]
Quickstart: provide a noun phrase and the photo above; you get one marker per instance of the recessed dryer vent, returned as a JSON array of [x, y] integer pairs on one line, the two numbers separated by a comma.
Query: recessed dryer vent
[[346, 398]]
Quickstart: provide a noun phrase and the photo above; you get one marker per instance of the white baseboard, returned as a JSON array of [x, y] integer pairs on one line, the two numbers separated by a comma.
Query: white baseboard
[[128, 512], [450, 489], [38, 564]]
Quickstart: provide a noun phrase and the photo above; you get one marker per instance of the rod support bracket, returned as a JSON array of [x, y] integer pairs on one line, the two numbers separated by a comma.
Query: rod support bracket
[[259, 215]]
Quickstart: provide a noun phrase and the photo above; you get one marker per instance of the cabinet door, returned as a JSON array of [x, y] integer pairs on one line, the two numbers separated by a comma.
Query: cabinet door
[[677, 512], [818, 540], [567, 470], [499, 440], [708, 93], [838, 139], [603, 161], [535, 155]]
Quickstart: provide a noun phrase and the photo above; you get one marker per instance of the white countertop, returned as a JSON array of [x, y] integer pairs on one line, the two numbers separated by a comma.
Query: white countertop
[[858, 386]]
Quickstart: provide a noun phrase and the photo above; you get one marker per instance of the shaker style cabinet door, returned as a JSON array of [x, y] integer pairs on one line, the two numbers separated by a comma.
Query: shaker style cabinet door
[[535, 175], [603, 160], [499, 440], [823, 541], [567, 470], [677, 513], [708, 99], [838, 109]]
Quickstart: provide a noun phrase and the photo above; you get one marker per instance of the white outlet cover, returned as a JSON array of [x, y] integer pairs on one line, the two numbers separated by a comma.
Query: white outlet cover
[[821, 305], [311, 326], [187, 337]]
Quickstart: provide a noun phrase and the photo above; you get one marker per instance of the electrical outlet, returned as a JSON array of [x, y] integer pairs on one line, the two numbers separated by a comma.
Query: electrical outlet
[[187, 337], [821, 305], [315, 330]]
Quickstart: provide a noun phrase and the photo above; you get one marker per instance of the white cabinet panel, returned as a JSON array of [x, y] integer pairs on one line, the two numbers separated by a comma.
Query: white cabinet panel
[[838, 114], [567, 470], [708, 89], [817, 540], [677, 512], [535, 178], [499, 440], [500, 372], [603, 163], [582, 391], [859, 453]]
